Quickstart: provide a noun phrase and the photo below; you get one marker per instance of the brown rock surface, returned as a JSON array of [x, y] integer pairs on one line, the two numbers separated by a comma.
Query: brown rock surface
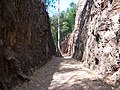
[[25, 40], [102, 51], [96, 38]]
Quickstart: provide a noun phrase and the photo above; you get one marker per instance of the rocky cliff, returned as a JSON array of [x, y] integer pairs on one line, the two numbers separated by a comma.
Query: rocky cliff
[[25, 40], [96, 38]]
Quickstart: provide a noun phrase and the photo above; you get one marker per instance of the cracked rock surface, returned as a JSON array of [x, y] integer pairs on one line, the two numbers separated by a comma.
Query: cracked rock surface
[[95, 40]]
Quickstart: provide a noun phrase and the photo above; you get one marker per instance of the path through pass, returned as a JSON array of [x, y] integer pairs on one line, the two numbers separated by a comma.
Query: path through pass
[[64, 74]]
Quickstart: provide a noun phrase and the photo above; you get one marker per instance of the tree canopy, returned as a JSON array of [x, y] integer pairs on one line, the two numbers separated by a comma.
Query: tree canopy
[[67, 21]]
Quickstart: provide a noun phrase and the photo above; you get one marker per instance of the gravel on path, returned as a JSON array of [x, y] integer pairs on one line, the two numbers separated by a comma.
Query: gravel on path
[[64, 74]]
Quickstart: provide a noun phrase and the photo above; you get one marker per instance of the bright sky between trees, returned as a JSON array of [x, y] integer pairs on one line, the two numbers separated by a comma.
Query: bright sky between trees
[[64, 4]]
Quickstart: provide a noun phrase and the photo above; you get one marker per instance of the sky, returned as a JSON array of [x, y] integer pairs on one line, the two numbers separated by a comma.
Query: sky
[[64, 4]]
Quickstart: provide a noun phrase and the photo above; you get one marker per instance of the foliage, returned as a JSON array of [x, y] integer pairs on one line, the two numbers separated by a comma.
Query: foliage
[[67, 21], [50, 2], [50, 5]]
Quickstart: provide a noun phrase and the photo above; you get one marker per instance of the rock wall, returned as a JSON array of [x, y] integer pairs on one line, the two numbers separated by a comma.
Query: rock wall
[[97, 35], [81, 27], [102, 51], [25, 40], [76, 41]]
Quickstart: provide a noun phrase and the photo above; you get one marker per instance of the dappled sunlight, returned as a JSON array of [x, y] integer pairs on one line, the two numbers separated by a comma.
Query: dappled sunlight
[[64, 74], [60, 45], [71, 75]]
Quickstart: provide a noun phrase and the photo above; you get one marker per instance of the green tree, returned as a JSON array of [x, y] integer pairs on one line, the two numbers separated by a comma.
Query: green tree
[[67, 21]]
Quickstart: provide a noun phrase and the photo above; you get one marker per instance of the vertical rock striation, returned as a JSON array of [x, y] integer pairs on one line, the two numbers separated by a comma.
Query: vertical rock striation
[[96, 38], [81, 27], [25, 40]]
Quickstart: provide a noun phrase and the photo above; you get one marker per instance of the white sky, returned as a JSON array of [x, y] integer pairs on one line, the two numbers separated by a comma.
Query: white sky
[[64, 4]]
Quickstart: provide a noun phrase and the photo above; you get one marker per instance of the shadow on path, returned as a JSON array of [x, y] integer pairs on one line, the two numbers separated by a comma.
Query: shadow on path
[[63, 74], [42, 78]]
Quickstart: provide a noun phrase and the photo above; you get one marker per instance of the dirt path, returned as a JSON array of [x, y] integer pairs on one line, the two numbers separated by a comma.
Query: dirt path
[[64, 74]]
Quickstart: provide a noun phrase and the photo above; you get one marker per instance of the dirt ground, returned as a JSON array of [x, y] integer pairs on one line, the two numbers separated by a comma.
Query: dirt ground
[[64, 74]]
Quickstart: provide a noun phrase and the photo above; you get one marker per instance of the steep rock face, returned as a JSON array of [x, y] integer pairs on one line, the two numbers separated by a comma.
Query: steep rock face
[[25, 40], [76, 41], [97, 35], [81, 27], [103, 47]]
